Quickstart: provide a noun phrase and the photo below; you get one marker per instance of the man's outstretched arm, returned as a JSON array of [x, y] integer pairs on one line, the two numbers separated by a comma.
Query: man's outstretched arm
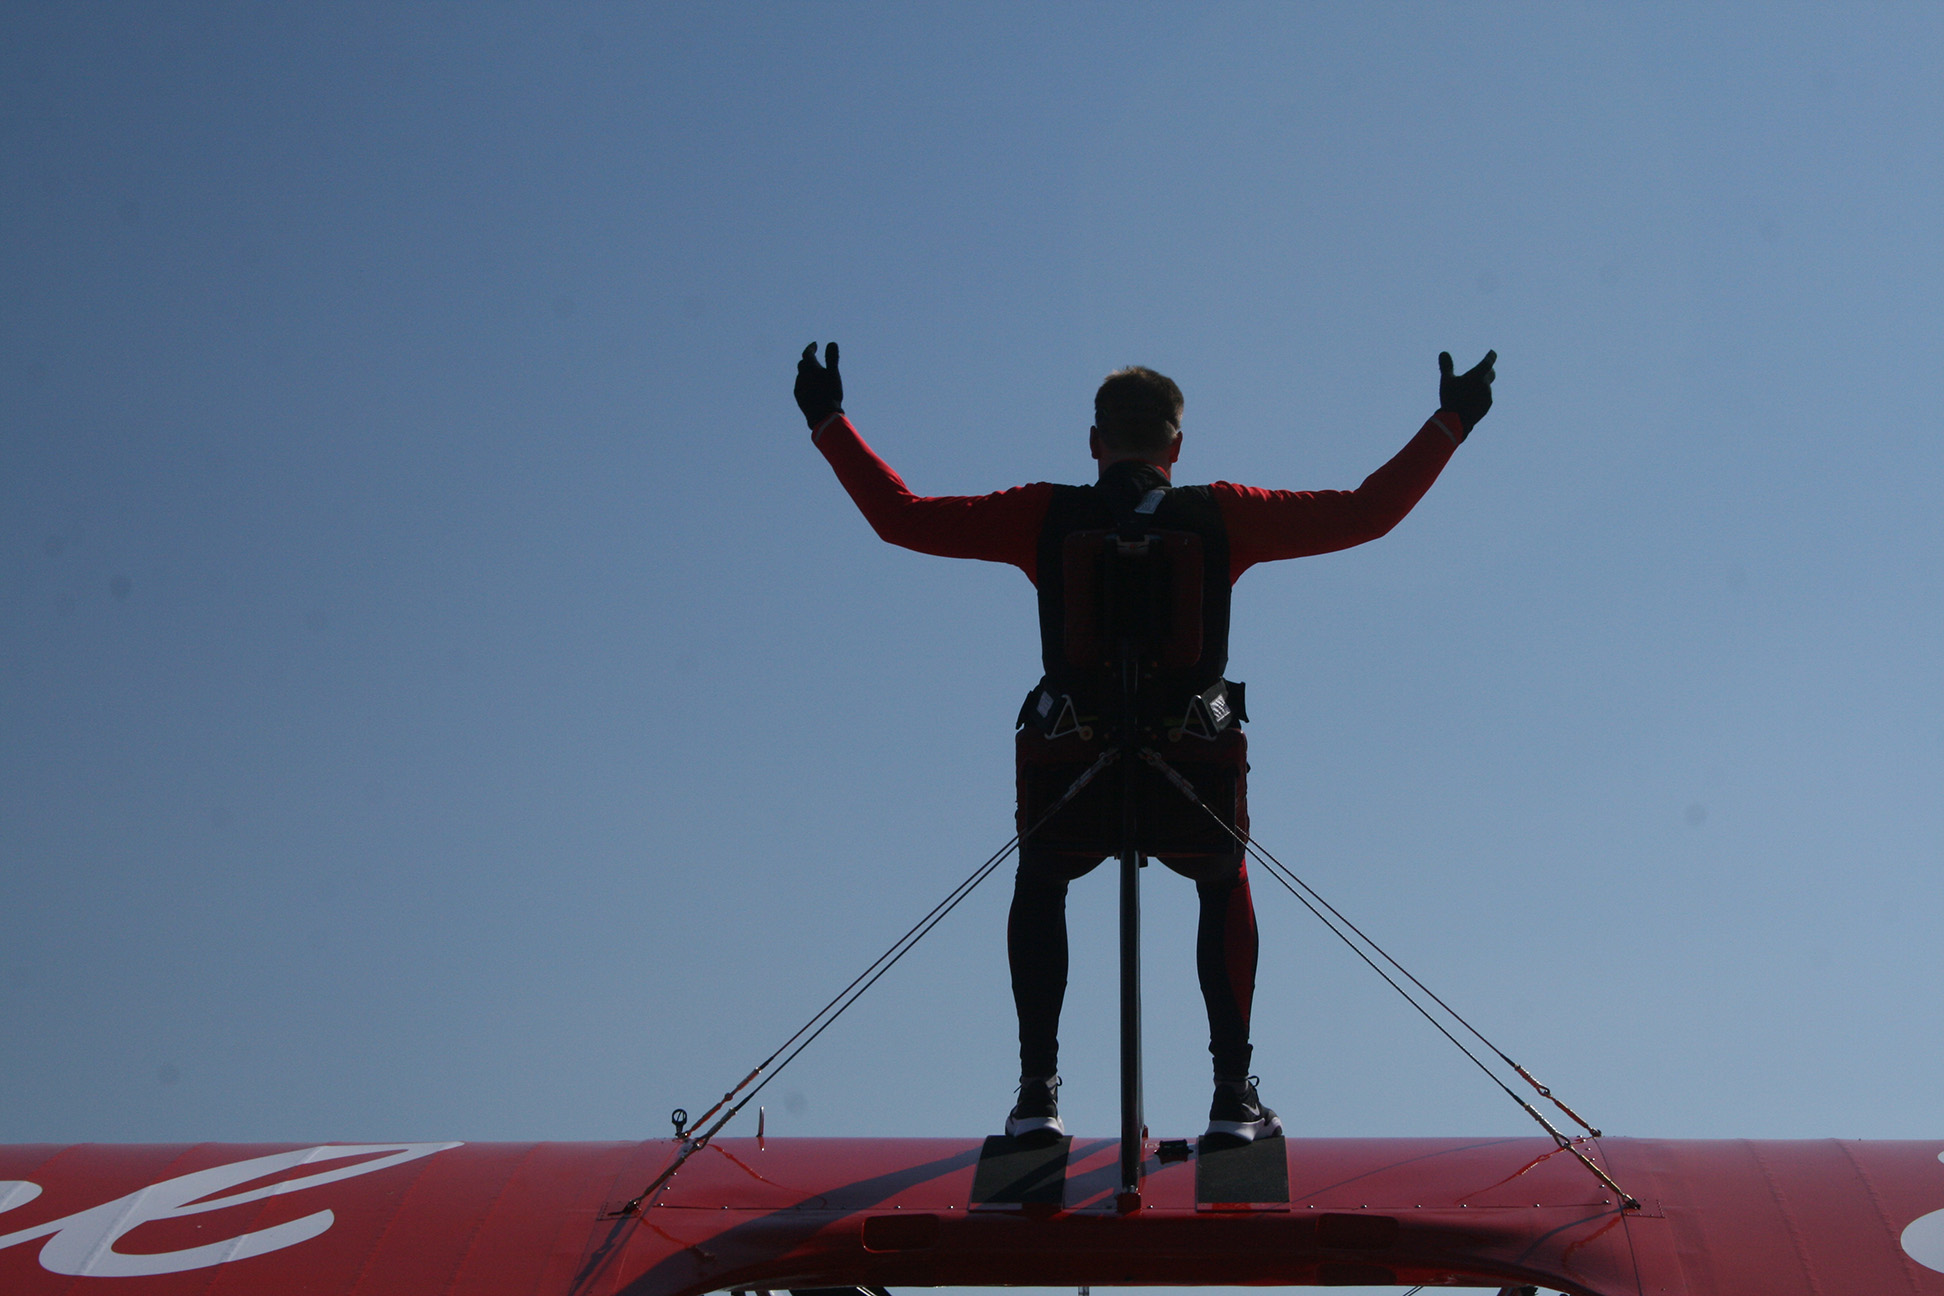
[[1266, 525], [1002, 527]]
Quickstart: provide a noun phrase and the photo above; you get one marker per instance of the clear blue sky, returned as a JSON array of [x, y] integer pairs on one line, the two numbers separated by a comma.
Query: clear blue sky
[[443, 694]]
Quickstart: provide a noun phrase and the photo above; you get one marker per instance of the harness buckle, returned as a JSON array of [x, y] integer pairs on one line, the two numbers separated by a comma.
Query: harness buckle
[[1053, 714], [1210, 712]]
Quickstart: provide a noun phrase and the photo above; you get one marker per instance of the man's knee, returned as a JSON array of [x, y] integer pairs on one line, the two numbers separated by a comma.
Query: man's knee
[[1041, 870], [1209, 872]]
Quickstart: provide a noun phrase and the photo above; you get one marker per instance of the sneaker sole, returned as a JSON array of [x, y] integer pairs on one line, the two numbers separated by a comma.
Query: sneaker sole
[[1224, 1134], [1035, 1131]]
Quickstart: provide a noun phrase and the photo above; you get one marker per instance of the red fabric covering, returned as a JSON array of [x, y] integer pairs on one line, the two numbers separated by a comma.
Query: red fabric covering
[[1263, 525]]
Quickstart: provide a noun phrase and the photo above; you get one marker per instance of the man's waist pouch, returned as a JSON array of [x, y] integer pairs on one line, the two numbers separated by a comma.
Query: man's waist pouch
[[1167, 823]]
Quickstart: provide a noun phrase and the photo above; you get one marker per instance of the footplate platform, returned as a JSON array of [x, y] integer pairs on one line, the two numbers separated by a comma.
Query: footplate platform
[[1254, 1176], [1012, 1175]]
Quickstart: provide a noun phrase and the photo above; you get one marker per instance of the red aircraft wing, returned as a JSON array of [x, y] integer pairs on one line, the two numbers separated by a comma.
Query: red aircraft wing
[[420, 1219]]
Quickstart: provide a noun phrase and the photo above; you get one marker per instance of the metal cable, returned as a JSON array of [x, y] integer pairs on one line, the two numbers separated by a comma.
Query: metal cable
[[1291, 882], [1154, 758], [826, 1016], [851, 993], [1455, 1014]]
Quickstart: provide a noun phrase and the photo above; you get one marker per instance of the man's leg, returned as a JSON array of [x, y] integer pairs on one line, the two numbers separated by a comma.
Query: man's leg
[[1036, 949], [1225, 958]]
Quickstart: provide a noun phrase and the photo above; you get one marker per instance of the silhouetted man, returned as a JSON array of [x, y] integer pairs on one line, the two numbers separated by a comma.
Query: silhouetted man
[[1136, 439]]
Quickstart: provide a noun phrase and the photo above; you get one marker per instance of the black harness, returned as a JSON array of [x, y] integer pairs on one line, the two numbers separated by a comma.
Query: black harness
[[1133, 557]]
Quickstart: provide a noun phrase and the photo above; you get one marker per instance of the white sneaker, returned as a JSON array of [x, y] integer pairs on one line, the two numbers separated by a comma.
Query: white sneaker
[[1035, 1118], [1237, 1118]]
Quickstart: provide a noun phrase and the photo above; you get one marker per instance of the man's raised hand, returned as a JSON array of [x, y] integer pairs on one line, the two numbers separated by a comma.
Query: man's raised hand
[[820, 388], [1468, 394]]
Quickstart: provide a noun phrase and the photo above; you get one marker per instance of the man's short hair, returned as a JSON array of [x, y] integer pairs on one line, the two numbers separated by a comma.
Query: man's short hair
[[1137, 411]]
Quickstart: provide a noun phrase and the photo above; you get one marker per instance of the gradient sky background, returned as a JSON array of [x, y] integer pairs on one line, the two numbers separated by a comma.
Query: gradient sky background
[[444, 695]]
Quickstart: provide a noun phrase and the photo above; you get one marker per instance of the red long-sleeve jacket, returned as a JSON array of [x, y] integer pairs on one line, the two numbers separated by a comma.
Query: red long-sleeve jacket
[[1263, 525]]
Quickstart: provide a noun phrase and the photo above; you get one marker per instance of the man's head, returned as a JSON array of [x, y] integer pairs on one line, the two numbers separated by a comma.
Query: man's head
[[1137, 415]]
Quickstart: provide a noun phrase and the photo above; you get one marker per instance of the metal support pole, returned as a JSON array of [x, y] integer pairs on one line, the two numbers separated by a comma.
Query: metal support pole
[[1133, 1120], [1133, 1123]]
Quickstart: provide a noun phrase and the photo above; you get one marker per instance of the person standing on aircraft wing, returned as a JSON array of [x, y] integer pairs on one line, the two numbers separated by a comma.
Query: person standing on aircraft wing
[[1136, 440]]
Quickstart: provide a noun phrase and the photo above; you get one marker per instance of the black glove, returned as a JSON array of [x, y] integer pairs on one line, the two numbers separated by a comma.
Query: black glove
[[819, 387], [1469, 394]]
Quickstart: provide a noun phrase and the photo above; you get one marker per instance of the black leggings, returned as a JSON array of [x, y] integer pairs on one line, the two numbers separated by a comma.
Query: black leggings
[[1036, 947]]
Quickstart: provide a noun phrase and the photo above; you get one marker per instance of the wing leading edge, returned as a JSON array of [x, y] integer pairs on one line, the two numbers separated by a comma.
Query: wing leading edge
[[415, 1219]]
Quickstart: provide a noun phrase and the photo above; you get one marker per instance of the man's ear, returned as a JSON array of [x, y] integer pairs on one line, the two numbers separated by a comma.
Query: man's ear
[[1093, 442], [1174, 447]]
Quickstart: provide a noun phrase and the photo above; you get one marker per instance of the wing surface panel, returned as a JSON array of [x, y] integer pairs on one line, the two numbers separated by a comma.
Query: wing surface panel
[[1819, 1218], [535, 1236], [441, 1219]]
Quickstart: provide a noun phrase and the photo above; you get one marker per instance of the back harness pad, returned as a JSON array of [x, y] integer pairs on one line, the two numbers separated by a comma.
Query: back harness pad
[[1147, 588]]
